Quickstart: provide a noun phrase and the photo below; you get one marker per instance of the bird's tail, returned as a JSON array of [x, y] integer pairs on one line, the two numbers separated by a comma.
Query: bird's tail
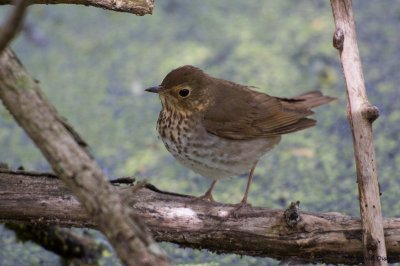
[[297, 109], [313, 99]]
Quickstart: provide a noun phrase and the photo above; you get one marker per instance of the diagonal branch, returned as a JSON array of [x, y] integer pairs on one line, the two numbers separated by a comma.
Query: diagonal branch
[[329, 238], [137, 7], [12, 25], [68, 157], [360, 114]]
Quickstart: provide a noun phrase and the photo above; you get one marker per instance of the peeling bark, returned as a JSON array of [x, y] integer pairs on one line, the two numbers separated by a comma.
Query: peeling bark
[[324, 238]]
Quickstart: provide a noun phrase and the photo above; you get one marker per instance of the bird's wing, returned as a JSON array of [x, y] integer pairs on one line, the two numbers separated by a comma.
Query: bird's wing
[[247, 114]]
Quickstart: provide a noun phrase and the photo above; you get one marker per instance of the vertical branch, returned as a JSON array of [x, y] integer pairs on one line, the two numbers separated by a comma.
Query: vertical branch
[[361, 114]]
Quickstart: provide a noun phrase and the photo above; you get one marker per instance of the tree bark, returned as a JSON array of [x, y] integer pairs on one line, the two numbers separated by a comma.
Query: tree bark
[[137, 7], [360, 114], [65, 151], [331, 238]]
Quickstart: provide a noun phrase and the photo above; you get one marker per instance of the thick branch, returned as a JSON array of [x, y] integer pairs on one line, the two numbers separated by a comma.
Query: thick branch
[[326, 238], [66, 154], [137, 7], [361, 114]]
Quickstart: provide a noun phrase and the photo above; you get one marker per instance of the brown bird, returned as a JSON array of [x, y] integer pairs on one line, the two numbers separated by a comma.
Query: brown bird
[[219, 128]]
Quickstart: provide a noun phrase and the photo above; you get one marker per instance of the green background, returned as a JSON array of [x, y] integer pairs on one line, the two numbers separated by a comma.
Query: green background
[[93, 65]]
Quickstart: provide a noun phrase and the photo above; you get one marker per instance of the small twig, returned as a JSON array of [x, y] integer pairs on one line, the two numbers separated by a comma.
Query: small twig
[[28, 173], [127, 180], [155, 189], [13, 23]]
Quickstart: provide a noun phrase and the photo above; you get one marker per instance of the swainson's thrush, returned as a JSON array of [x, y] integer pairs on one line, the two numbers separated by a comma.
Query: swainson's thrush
[[219, 128]]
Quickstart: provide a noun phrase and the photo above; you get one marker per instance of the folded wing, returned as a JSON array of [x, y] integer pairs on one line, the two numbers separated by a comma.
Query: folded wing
[[247, 114]]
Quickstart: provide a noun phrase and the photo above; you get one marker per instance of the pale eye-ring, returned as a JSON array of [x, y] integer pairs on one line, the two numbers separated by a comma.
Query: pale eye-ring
[[184, 92]]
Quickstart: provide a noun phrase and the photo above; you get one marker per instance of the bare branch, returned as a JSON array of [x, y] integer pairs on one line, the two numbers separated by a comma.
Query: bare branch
[[361, 114], [63, 242], [13, 23], [326, 238], [68, 157], [137, 7]]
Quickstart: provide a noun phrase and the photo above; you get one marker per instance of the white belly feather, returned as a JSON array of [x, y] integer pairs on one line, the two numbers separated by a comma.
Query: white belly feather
[[217, 157]]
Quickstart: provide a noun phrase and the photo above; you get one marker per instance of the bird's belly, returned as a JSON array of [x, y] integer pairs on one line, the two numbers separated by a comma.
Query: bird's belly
[[215, 157]]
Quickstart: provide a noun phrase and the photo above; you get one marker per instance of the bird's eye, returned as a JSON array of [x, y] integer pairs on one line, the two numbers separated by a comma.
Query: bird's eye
[[184, 92]]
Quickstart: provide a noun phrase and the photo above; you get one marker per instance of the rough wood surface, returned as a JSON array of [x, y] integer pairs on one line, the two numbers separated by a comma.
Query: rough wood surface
[[326, 238], [361, 114], [137, 7], [66, 153]]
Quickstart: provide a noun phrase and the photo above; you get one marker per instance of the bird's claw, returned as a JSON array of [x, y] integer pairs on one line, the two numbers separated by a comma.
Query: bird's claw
[[236, 209]]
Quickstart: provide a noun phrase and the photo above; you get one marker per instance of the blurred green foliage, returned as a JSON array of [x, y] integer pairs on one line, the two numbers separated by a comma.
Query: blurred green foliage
[[93, 66]]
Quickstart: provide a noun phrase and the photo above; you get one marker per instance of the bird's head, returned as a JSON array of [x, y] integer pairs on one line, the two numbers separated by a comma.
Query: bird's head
[[184, 89]]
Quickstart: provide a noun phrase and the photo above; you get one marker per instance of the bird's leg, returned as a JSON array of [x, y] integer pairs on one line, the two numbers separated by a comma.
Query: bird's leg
[[244, 203], [208, 195], [249, 181]]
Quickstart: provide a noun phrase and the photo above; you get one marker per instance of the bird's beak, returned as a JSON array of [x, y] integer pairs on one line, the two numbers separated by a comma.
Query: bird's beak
[[155, 89]]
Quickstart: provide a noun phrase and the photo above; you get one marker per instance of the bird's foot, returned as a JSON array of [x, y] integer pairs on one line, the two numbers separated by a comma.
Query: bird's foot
[[237, 208], [206, 197]]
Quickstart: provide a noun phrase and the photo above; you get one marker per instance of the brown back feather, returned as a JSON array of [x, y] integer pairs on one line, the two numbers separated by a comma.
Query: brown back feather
[[241, 113]]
